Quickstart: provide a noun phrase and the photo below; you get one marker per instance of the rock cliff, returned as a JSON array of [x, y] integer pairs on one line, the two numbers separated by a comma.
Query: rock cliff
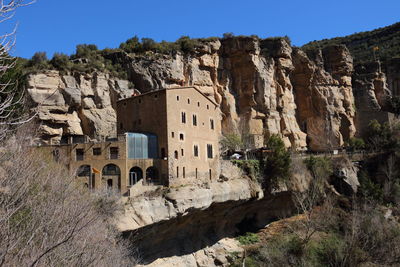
[[75, 104], [263, 87]]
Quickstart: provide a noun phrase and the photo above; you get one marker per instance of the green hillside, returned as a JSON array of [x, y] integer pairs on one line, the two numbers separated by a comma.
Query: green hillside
[[362, 44]]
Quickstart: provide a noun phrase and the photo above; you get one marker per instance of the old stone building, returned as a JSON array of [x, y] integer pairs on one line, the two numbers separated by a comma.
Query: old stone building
[[187, 126], [166, 137]]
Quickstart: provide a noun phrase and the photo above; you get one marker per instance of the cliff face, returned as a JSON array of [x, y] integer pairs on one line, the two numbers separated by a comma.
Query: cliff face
[[263, 87], [75, 104]]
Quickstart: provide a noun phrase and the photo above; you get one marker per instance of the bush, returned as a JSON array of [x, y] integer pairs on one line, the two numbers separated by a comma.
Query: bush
[[277, 163], [231, 142], [356, 144], [39, 61], [61, 62], [329, 251], [250, 167], [248, 239]]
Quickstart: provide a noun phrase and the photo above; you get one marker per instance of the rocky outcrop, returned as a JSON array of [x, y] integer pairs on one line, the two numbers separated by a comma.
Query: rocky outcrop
[[75, 104], [370, 92], [194, 225], [323, 88], [264, 87]]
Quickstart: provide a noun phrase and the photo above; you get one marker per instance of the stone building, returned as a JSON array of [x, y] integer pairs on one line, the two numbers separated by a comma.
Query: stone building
[[187, 125], [166, 137]]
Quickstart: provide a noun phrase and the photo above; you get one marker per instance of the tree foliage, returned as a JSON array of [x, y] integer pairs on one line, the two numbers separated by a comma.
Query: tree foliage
[[277, 163], [363, 44]]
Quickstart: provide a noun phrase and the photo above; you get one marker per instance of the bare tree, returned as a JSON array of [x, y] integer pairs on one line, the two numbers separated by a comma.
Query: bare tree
[[48, 219], [11, 98]]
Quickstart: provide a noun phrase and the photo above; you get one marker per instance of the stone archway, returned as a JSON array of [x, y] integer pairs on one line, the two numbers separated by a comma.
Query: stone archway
[[152, 175], [135, 175], [111, 176]]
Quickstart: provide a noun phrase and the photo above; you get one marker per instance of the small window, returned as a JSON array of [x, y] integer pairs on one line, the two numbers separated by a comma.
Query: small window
[[79, 154], [156, 96], [140, 101], [198, 104], [181, 137], [173, 134], [195, 120], [183, 115], [196, 173], [183, 172], [208, 107], [83, 171], [182, 154], [162, 152], [177, 172], [96, 151], [114, 152], [188, 101], [196, 150], [209, 151], [176, 154], [121, 125], [177, 98], [212, 124], [209, 171]]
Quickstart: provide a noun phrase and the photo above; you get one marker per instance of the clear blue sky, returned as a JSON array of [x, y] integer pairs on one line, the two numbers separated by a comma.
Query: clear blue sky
[[59, 25]]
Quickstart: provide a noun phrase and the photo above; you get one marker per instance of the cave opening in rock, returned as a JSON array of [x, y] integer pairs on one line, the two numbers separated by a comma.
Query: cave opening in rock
[[248, 224]]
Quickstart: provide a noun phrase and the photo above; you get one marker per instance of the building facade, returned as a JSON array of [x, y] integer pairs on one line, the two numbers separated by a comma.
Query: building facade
[[188, 127], [167, 137]]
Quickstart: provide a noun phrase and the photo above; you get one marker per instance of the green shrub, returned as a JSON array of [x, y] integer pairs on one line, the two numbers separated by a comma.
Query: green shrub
[[248, 239], [250, 167], [329, 251], [277, 163], [355, 144], [231, 142], [61, 62]]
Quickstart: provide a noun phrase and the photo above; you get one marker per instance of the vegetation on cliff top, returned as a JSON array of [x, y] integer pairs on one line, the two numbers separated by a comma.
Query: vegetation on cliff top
[[361, 45]]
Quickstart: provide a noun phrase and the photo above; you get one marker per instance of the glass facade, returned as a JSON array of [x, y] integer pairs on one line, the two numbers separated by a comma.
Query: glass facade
[[142, 146]]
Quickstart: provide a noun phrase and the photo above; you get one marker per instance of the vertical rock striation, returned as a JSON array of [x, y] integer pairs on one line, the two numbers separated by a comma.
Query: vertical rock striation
[[264, 87]]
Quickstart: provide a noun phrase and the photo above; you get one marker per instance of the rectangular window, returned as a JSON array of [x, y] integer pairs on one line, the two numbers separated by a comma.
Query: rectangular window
[[196, 150], [183, 115], [212, 124], [183, 173], [113, 152], [181, 137], [177, 172], [182, 152], [209, 151], [79, 154], [96, 151], [194, 120], [196, 173], [173, 134]]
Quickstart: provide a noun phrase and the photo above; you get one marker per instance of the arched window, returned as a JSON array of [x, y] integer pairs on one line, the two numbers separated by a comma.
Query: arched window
[[111, 174], [135, 175], [111, 169], [83, 171], [176, 155]]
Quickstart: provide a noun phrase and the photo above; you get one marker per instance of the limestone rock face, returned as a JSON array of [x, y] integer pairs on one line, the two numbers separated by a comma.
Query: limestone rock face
[[75, 104], [323, 89], [252, 86], [264, 87], [370, 92]]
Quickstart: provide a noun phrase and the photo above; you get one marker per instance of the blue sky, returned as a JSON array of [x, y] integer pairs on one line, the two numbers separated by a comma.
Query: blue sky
[[59, 25]]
